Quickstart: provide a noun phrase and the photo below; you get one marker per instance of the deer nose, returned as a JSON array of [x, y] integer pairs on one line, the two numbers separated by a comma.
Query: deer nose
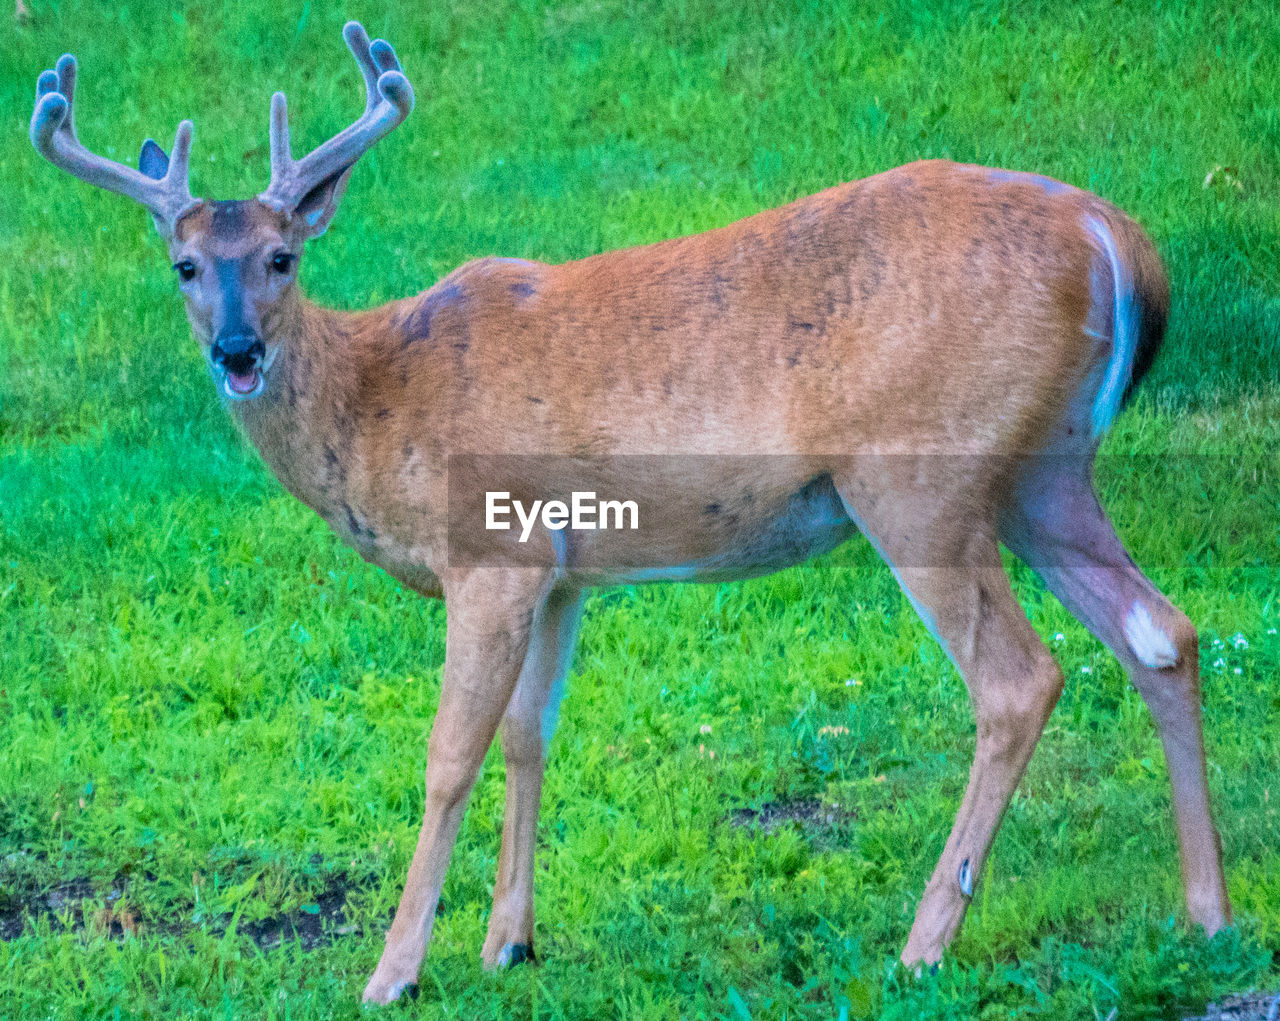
[[238, 352]]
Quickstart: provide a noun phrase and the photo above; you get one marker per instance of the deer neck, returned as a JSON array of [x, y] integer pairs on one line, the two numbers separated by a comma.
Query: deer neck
[[304, 423]]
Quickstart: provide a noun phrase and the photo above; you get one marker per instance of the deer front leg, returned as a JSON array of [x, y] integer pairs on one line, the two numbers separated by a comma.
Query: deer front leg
[[526, 731], [490, 618]]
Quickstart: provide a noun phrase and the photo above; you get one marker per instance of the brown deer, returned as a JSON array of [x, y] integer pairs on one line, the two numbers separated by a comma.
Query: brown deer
[[929, 356]]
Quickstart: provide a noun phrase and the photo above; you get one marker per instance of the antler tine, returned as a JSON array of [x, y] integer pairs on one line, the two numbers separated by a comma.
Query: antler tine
[[281, 153], [357, 40], [388, 101], [65, 69], [54, 136]]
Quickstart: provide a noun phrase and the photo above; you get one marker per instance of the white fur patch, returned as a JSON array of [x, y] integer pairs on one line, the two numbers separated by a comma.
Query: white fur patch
[[1150, 644], [1124, 331]]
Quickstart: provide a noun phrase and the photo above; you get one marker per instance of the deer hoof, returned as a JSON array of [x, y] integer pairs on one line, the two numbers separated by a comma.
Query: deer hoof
[[382, 991], [513, 954]]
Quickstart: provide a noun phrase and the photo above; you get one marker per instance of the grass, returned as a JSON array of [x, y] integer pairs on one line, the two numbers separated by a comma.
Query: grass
[[212, 713]]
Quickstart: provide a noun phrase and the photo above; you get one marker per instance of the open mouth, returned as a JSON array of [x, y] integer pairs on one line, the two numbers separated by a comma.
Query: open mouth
[[240, 386]]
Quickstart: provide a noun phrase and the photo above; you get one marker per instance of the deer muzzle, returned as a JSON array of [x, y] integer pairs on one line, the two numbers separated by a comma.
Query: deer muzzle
[[237, 358]]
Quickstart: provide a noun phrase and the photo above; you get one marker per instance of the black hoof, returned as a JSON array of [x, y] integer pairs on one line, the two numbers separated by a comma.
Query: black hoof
[[515, 953]]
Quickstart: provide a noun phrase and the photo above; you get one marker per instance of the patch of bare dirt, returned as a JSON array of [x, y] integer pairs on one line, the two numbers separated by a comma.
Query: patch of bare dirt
[[819, 820], [76, 905]]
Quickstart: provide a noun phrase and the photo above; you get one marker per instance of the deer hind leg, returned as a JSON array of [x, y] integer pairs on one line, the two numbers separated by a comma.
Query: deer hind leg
[[951, 571], [490, 620], [1058, 527], [526, 731]]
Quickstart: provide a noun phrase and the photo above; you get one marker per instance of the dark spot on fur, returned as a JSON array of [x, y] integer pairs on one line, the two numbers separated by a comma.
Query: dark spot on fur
[[383, 413], [358, 529], [462, 345], [713, 508], [872, 275], [443, 296], [417, 325], [793, 359], [533, 400], [523, 290], [796, 324], [335, 471], [407, 450], [229, 218]]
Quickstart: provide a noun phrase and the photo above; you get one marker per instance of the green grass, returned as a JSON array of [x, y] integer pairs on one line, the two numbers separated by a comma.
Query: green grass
[[201, 690]]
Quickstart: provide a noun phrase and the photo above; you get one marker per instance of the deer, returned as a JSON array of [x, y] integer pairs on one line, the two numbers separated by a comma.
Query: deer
[[929, 357]]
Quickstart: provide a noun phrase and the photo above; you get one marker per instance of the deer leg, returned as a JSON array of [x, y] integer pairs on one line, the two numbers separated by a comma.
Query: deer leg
[[1014, 684], [490, 619], [949, 566], [1058, 527], [526, 731]]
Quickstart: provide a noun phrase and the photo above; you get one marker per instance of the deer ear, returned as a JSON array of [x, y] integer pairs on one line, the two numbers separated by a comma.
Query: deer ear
[[153, 162], [315, 211]]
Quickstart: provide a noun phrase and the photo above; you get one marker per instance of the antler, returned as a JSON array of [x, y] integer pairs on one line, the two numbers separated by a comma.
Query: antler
[[53, 133], [388, 100]]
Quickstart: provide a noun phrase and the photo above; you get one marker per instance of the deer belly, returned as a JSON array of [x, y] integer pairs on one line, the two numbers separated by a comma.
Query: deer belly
[[813, 521]]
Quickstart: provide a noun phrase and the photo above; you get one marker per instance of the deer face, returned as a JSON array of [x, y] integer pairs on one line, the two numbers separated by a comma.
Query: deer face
[[236, 266]]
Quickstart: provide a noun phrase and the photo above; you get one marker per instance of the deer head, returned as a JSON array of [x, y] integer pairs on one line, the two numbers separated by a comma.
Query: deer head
[[236, 261]]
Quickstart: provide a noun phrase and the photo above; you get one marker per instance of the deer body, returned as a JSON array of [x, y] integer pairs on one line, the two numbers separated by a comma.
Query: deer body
[[817, 305], [929, 356]]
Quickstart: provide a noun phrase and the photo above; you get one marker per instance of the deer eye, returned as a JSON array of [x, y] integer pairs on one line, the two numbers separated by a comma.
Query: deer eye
[[282, 262], [186, 270]]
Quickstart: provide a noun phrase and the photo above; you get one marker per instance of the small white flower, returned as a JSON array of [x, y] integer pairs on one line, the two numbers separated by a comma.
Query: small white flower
[[705, 729], [1238, 671], [1059, 637], [852, 682], [1086, 669], [1239, 641], [1219, 663]]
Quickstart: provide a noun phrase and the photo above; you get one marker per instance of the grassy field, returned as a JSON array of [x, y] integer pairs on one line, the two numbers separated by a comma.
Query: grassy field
[[213, 716]]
